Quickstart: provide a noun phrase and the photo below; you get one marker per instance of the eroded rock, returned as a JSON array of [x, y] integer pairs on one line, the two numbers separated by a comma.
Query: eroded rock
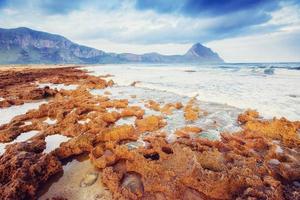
[[23, 168]]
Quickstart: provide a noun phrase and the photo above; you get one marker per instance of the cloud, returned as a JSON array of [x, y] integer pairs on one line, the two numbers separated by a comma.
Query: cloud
[[216, 7], [205, 7], [274, 47], [151, 23], [231, 18]]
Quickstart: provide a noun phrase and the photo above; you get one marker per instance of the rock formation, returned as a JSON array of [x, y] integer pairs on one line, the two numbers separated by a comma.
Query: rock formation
[[262, 161]]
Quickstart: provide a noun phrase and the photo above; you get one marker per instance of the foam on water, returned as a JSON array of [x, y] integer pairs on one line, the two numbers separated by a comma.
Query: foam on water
[[272, 89]]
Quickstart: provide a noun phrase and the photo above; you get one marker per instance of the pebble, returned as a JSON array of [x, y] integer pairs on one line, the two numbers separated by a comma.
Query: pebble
[[89, 179]]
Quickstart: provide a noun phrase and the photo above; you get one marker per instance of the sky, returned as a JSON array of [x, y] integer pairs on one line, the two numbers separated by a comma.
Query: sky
[[238, 30]]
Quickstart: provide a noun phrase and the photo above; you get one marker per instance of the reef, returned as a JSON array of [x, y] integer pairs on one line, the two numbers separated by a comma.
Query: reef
[[191, 110], [243, 165], [18, 86], [262, 161], [23, 168], [166, 109]]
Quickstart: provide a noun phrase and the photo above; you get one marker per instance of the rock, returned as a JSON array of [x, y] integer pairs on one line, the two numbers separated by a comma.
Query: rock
[[89, 179], [132, 182], [23, 167], [150, 123], [269, 71], [191, 110], [187, 131]]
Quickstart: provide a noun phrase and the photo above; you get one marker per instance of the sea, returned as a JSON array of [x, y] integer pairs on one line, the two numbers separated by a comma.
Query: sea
[[273, 89]]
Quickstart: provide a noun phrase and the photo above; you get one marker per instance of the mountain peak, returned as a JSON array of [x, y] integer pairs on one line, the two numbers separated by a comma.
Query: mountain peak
[[22, 28], [198, 45], [199, 51]]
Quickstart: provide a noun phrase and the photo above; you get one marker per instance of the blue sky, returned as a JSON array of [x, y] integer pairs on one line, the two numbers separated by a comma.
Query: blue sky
[[240, 30]]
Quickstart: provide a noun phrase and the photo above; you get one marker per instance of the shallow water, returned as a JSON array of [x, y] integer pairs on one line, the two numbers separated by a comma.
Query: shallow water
[[272, 89], [53, 142], [69, 184], [214, 118], [50, 121], [9, 113], [58, 86], [21, 138]]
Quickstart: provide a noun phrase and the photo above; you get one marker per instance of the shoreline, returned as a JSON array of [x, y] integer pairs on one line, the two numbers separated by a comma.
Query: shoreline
[[166, 147]]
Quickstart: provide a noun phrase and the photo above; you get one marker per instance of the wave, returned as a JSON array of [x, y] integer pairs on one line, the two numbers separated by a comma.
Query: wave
[[261, 69]]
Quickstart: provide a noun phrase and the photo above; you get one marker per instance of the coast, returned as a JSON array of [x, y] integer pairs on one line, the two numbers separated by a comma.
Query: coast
[[127, 142]]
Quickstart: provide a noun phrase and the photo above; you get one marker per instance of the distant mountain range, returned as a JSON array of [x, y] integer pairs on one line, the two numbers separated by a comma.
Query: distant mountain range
[[26, 46]]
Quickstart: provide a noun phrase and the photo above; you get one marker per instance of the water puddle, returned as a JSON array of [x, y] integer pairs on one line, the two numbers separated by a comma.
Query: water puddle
[[83, 122], [79, 180], [58, 86], [53, 142], [50, 121], [125, 120], [9, 113], [21, 138]]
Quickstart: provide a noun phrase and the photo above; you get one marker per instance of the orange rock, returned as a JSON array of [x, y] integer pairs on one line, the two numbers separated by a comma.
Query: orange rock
[[111, 117], [277, 129], [133, 111], [248, 115], [102, 158], [167, 109], [150, 123], [260, 162], [110, 83], [118, 133], [186, 131], [122, 103], [191, 110], [75, 146], [178, 105], [153, 105], [23, 168], [107, 93]]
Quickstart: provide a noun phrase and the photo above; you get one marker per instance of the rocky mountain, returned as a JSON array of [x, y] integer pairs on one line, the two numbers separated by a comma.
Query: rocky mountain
[[24, 45]]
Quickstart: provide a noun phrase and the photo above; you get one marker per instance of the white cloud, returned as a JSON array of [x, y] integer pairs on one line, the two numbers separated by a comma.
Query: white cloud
[[128, 30], [273, 47], [280, 46]]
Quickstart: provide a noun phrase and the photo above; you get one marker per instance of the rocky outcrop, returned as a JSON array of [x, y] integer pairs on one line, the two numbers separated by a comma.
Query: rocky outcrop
[[261, 161], [23, 168]]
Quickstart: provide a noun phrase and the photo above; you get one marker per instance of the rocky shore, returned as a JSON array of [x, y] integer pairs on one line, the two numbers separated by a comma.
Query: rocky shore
[[141, 158]]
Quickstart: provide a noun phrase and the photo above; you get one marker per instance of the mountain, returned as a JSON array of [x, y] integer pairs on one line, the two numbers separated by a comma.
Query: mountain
[[200, 52], [24, 45]]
